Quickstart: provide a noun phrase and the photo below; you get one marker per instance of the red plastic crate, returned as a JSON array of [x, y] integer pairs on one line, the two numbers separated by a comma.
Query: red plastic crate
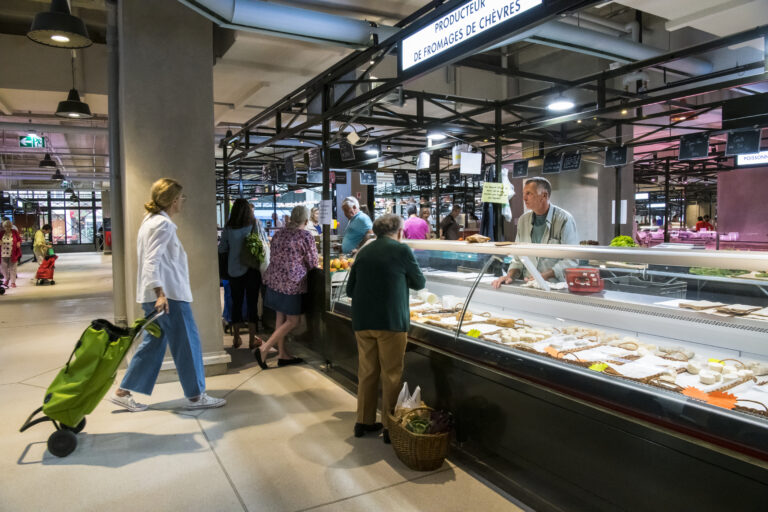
[[583, 280]]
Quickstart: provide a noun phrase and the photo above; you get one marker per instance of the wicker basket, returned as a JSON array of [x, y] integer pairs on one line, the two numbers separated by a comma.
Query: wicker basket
[[420, 452]]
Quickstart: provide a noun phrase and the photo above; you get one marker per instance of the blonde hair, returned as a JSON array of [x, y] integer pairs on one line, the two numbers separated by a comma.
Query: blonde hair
[[7, 224], [299, 216], [163, 192]]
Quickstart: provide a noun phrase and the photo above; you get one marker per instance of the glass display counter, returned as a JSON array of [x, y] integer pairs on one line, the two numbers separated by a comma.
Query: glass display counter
[[671, 338]]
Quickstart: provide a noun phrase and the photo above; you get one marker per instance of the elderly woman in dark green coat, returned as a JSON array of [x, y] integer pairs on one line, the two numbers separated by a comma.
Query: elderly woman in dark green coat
[[378, 286]]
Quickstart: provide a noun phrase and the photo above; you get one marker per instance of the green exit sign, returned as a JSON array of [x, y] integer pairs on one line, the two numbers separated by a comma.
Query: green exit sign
[[31, 141]]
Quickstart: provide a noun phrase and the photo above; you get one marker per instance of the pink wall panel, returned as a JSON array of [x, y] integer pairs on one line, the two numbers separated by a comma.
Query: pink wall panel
[[742, 203]]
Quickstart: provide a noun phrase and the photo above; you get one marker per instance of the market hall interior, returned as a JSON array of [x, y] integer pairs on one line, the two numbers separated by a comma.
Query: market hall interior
[[308, 103]]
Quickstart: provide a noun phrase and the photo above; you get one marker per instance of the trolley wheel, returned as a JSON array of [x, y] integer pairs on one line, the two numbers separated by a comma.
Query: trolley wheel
[[39, 282], [2, 290], [79, 428], [62, 442], [53, 282]]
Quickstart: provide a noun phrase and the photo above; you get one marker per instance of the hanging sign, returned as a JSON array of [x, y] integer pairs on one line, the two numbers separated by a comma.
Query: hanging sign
[[571, 161], [423, 179], [402, 179], [347, 151], [286, 173], [326, 211], [459, 26], [552, 163], [693, 146], [471, 163], [743, 142], [454, 178], [616, 156], [315, 159], [494, 192], [760, 158], [422, 162], [520, 169], [367, 177], [314, 176], [31, 141]]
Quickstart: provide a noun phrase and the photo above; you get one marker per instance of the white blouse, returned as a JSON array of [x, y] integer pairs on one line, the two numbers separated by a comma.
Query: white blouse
[[162, 261]]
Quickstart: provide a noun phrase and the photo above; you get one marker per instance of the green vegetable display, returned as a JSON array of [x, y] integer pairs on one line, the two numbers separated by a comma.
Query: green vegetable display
[[623, 241], [418, 426], [717, 272], [761, 274]]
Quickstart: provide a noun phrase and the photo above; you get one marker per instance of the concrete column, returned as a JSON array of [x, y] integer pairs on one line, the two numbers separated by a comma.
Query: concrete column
[[607, 194], [166, 103]]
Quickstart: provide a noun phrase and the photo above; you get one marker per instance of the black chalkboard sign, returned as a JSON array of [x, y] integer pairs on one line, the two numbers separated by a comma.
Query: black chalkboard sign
[[314, 176], [347, 151], [267, 173], [571, 161], [367, 177], [743, 142], [616, 156], [286, 173], [520, 169], [693, 146], [402, 179], [423, 179], [552, 163], [315, 159], [454, 178]]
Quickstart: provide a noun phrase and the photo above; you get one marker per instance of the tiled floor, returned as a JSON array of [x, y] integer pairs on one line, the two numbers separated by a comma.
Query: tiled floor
[[282, 443]]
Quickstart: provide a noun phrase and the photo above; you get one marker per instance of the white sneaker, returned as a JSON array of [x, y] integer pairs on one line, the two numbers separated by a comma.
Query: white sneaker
[[205, 402], [127, 402]]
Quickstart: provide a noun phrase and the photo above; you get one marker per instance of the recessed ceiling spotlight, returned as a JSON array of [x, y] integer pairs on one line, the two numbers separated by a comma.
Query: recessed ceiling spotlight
[[578, 122], [436, 135], [624, 112], [372, 152]]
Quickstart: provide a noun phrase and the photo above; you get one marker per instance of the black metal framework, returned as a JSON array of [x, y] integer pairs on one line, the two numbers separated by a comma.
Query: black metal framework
[[348, 95]]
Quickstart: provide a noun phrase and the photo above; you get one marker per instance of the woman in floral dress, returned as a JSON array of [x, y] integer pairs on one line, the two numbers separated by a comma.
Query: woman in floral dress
[[292, 255]]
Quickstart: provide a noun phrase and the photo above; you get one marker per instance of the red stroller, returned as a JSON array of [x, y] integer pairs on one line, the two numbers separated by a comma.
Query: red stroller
[[45, 271]]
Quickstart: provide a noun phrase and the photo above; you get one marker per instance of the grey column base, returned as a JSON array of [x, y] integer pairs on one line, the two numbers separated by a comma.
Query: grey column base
[[215, 363]]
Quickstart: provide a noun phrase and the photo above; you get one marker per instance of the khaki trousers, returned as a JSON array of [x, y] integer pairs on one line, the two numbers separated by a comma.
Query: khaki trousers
[[381, 353]]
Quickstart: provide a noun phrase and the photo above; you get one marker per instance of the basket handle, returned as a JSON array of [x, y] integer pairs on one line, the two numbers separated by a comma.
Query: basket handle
[[414, 410]]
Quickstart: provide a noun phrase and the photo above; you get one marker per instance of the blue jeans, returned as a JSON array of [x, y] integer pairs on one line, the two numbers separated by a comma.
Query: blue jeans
[[180, 331]]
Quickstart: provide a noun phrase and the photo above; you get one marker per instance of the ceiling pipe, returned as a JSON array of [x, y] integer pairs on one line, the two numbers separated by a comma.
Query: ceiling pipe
[[591, 42], [291, 22], [53, 128]]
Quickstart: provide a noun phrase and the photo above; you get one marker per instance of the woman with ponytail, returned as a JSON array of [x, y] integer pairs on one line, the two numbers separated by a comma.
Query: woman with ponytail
[[163, 285]]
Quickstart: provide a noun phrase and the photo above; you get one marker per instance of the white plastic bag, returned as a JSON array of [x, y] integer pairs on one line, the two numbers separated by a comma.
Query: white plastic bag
[[407, 401], [404, 395]]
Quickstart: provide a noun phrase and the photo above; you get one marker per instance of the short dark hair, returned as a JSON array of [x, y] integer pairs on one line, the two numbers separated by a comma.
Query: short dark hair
[[241, 214], [412, 210], [47, 226], [700, 218], [388, 224], [706, 217], [456, 207], [542, 184]]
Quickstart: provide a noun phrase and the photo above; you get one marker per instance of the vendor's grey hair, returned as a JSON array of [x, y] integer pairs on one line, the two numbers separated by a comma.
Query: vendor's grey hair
[[412, 210], [299, 216], [387, 225], [542, 185], [351, 201]]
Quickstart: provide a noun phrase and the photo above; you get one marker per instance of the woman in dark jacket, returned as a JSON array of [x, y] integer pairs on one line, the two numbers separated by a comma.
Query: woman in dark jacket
[[244, 281], [378, 285]]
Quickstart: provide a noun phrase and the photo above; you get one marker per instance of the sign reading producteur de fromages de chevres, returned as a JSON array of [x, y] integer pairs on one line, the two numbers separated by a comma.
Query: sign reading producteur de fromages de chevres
[[458, 26]]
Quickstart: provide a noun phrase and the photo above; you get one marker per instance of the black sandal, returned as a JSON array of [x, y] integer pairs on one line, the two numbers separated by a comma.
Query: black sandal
[[286, 362], [257, 355]]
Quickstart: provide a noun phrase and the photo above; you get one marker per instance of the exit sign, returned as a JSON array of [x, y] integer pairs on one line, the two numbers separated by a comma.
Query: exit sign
[[31, 141]]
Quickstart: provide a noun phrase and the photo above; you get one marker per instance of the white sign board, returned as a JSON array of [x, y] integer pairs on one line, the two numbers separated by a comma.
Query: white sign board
[[458, 26], [326, 212], [471, 163], [760, 158]]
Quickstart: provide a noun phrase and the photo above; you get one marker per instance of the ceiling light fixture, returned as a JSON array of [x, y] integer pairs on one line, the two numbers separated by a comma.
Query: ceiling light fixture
[[372, 152], [57, 176], [47, 161], [72, 107], [624, 112], [561, 104], [57, 27], [436, 135]]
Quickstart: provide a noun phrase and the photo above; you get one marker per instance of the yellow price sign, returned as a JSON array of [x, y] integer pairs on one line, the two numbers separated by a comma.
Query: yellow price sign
[[494, 192]]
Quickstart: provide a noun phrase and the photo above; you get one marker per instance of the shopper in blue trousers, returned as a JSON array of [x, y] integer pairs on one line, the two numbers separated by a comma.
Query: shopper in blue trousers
[[163, 285]]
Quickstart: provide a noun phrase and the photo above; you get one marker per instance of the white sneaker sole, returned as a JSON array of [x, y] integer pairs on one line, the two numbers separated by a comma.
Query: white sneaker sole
[[127, 407], [193, 406]]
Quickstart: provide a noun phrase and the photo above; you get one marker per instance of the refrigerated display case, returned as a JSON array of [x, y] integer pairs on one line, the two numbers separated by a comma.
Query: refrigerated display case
[[662, 374]]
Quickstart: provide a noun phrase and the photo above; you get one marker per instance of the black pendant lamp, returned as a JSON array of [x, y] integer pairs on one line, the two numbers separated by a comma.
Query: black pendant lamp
[[72, 107], [47, 161], [74, 198], [69, 190], [57, 27], [57, 176]]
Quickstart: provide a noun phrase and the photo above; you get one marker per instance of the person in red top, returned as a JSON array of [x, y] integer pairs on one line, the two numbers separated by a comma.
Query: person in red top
[[10, 245], [703, 223]]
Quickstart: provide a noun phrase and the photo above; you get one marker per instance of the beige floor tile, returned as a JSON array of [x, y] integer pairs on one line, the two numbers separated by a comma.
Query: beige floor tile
[[286, 439], [451, 490]]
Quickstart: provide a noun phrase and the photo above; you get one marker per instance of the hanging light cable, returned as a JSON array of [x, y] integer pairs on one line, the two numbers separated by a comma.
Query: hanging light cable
[[72, 107]]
